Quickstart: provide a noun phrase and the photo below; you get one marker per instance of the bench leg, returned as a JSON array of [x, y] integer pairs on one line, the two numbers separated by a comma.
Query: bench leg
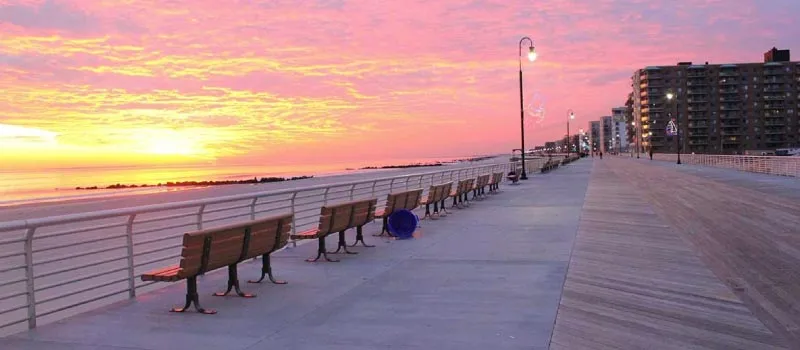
[[428, 212], [384, 227], [266, 271], [342, 245], [233, 283], [444, 208], [360, 237], [435, 211], [192, 298], [321, 252]]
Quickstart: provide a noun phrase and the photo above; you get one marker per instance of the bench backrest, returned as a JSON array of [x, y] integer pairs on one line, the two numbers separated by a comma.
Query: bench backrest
[[444, 191], [483, 180], [213, 248], [340, 217], [403, 200], [464, 186], [447, 188], [497, 177]]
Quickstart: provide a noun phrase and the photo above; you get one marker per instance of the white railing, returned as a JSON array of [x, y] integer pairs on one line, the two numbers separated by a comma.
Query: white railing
[[772, 165], [55, 267]]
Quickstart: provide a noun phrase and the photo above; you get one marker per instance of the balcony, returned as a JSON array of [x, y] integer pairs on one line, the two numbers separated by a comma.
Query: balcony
[[697, 83], [732, 131], [776, 122], [731, 141], [697, 91], [726, 82], [698, 142], [698, 125], [731, 117], [775, 72], [730, 99], [698, 134], [774, 106], [780, 131], [729, 73], [730, 108], [729, 91], [777, 97], [697, 116], [693, 73], [697, 109], [697, 100]]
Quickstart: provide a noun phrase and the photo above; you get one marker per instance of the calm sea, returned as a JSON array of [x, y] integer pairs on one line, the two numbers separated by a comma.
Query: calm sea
[[19, 187]]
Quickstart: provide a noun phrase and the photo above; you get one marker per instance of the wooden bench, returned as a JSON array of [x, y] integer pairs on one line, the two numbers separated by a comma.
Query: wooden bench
[[550, 165], [459, 194], [339, 218], [513, 177], [436, 195], [207, 250], [479, 189], [494, 183], [408, 200]]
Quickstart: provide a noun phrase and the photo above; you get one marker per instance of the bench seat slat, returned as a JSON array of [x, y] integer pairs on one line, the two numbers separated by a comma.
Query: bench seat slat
[[167, 274], [308, 234]]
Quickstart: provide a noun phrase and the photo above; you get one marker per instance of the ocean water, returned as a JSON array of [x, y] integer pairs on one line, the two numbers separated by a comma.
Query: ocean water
[[21, 187]]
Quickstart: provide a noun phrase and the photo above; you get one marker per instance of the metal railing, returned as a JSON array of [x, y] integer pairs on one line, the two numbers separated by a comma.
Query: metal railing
[[56, 267], [772, 165]]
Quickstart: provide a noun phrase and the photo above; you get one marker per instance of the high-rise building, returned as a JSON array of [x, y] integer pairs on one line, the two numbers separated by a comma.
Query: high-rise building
[[619, 132], [594, 135], [607, 128], [719, 108]]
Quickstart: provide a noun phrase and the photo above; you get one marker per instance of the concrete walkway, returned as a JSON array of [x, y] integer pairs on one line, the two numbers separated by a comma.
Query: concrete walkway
[[486, 277]]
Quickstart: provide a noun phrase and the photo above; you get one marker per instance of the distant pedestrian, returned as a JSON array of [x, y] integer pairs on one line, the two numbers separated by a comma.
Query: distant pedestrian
[[601, 154], [651, 154]]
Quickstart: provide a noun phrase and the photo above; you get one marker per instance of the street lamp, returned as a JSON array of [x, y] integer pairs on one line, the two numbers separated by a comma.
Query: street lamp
[[570, 115], [635, 138], [671, 96], [531, 57]]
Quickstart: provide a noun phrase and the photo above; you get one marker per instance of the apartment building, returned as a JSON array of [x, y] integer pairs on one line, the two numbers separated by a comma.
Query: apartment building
[[719, 108], [594, 135]]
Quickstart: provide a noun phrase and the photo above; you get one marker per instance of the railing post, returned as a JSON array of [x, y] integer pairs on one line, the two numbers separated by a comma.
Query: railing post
[[391, 185], [352, 189], [200, 216], [29, 285], [294, 221], [420, 181], [325, 196], [253, 208], [374, 183], [129, 244]]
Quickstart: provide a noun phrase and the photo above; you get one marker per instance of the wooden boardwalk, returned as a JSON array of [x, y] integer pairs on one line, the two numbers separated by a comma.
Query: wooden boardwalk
[[635, 283]]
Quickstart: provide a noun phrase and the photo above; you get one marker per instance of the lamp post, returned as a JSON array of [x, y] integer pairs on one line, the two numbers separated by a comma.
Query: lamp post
[[570, 115], [531, 57], [671, 96], [635, 139]]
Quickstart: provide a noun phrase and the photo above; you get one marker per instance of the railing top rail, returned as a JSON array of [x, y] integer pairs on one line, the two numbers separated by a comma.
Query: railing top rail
[[103, 214]]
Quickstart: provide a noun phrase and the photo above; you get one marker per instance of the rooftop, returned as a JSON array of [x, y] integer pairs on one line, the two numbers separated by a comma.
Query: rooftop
[[597, 254]]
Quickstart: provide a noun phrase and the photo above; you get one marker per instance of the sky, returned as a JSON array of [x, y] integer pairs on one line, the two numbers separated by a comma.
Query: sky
[[102, 82]]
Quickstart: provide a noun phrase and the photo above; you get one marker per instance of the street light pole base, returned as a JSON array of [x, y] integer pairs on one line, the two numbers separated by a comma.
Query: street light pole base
[[523, 177]]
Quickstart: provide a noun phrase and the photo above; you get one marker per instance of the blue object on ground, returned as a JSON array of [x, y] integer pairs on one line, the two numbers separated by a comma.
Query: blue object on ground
[[402, 223]]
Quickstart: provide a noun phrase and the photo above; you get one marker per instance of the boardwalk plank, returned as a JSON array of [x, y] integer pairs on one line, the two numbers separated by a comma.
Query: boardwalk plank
[[633, 282]]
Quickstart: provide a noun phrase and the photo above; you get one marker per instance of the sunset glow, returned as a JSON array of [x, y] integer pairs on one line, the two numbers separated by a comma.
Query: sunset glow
[[98, 82]]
